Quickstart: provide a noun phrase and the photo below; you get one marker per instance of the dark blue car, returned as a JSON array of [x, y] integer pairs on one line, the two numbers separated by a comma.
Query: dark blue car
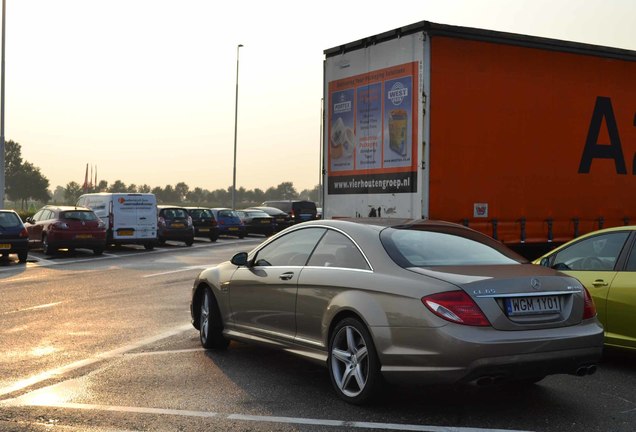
[[229, 222], [14, 237]]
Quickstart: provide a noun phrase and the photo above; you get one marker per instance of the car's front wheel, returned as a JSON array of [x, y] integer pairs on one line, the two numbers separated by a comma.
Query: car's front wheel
[[210, 325], [354, 367]]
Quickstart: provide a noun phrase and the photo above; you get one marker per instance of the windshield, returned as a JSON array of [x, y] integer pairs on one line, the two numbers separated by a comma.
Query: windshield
[[418, 248]]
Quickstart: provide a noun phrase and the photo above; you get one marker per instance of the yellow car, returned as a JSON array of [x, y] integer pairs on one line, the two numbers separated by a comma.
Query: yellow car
[[605, 262]]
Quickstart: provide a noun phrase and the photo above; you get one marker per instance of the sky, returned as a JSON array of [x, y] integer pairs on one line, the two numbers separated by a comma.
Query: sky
[[144, 90]]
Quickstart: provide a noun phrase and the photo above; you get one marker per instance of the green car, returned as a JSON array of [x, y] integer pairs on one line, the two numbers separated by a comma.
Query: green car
[[605, 262]]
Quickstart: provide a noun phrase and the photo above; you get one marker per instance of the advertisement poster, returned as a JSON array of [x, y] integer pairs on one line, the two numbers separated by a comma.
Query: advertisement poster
[[372, 132]]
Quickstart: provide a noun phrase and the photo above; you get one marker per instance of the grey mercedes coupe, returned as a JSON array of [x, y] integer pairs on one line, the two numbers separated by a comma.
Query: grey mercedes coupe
[[389, 300]]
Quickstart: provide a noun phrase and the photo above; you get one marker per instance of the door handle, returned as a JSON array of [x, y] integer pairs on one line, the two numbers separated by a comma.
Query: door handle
[[599, 283], [286, 276]]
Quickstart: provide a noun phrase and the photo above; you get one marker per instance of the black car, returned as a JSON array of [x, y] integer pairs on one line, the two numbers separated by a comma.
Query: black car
[[174, 223], [282, 219], [204, 223], [257, 222], [14, 237], [298, 210]]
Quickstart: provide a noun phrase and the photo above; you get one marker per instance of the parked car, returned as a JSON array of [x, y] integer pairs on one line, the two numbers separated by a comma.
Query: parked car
[[257, 222], [174, 223], [229, 222], [407, 301], [66, 227], [298, 210], [282, 219], [14, 238], [605, 262], [204, 223]]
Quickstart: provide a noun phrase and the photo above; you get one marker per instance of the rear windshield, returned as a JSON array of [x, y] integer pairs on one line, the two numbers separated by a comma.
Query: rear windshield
[[259, 214], [305, 206], [203, 213], [176, 213], [79, 215], [9, 220], [419, 248], [227, 213]]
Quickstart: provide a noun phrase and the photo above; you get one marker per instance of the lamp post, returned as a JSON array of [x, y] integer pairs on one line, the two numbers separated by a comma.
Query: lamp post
[[2, 143], [235, 129]]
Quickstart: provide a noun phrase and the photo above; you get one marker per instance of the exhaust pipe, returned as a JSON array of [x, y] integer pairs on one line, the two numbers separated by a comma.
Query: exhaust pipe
[[586, 370]]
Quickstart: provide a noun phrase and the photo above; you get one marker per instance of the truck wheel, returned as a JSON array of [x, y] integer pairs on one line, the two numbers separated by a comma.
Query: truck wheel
[[354, 367]]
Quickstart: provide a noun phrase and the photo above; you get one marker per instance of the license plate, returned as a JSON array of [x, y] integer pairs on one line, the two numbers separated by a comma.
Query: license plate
[[177, 225], [84, 236], [204, 229], [264, 222], [125, 232], [233, 229], [532, 305], [5, 246]]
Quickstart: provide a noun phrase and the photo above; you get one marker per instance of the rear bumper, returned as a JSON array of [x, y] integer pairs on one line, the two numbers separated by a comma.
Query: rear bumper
[[177, 234], [63, 240], [461, 354], [15, 246]]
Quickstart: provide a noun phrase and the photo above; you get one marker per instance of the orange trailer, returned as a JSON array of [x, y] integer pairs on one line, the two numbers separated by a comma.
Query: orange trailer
[[530, 140]]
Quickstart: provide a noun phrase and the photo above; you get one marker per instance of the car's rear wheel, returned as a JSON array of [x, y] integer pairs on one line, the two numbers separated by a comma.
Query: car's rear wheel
[[23, 256], [210, 324], [214, 238], [98, 251], [47, 249], [149, 246], [189, 242], [354, 367]]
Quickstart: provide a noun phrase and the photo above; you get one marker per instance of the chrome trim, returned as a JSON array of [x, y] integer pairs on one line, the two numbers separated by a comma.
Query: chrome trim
[[529, 294]]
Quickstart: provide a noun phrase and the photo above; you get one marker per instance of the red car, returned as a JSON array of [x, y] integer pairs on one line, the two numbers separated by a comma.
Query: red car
[[66, 227]]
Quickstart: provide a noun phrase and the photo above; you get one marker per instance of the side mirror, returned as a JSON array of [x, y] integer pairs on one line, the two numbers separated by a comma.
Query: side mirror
[[29, 220], [545, 262], [240, 259]]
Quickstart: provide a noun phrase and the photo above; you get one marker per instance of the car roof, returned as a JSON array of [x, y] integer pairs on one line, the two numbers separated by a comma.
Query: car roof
[[65, 208]]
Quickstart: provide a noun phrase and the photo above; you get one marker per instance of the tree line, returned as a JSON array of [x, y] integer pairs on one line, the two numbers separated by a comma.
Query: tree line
[[25, 183]]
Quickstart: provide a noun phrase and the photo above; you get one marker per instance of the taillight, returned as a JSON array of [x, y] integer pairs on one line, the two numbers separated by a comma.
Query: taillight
[[589, 309], [161, 220], [24, 233], [189, 221], [59, 225], [457, 307]]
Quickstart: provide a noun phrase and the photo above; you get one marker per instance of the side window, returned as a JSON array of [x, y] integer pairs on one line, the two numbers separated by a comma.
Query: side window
[[631, 262], [592, 254], [38, 215], [336, 250], [292, 249]]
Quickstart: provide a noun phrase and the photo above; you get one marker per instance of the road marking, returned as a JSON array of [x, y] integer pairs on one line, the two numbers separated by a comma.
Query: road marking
[[44, 306], [199, 267], [266, 419], [152, 353], [52, 373]]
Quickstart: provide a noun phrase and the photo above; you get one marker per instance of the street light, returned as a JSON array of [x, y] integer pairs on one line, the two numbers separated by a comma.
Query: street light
[[235, 129], [2, 143]]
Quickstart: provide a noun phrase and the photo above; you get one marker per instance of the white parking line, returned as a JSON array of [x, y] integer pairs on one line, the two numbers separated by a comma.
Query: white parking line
[[269, 419], [44, 306], [176, 271]]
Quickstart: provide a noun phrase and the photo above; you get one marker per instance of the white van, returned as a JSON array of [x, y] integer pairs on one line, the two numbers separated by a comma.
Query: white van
[[129, 217]]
